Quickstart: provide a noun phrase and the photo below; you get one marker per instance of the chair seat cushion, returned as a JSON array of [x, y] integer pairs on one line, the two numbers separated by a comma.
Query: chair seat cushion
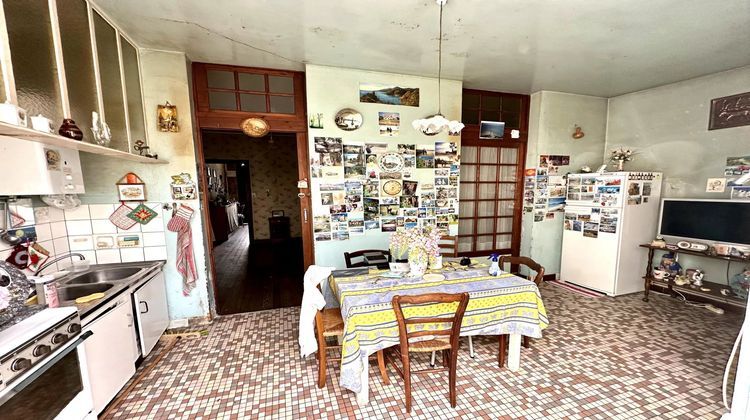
[[431, 345], [333, 324]]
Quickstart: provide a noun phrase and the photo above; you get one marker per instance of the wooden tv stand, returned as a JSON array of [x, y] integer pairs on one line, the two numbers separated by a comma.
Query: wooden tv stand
[[714, 294]]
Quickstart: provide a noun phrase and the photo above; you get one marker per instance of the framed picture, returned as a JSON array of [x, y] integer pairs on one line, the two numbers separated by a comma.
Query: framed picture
[[183, 191], [730, 111], [131, 192], [277, 213], [492, 130]]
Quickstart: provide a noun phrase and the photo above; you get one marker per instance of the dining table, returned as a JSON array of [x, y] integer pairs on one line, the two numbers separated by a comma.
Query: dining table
[[500, 304]]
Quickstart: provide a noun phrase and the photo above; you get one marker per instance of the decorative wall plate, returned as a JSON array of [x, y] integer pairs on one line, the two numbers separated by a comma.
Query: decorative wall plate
[[392, 187], [391, 162], [348, 119], [255, 127]]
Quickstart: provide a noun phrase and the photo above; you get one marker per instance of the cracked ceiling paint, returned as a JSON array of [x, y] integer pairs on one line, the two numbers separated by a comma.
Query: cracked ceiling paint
[[602, 48]]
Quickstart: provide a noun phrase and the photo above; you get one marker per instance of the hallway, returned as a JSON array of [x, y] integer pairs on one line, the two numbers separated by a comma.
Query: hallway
[[266, 276]]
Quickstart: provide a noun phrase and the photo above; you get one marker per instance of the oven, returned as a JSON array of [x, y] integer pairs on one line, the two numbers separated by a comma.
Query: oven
[[55, 388]]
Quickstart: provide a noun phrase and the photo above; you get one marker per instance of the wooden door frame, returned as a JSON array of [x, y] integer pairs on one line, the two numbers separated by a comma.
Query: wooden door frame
[[296, 123]]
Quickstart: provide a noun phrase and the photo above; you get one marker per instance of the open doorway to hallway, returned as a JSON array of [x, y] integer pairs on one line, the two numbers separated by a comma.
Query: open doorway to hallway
[[255, 220]]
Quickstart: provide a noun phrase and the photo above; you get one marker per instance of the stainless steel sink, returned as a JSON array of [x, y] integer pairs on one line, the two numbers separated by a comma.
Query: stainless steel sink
[[104, 275], [73, 292]]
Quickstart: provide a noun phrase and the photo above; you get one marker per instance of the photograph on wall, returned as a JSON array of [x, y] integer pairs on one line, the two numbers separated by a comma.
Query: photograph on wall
[[388, 224], [371, 209], [425, 156], [372, 224], [737, 165], [446, 154], [591, 230], [713, 185], [376, 93], [577, 226], [554, 160], [740, 193], [371, 188], [409, 188], [376, 149], [409, 201], [388, 123], [329, 150], [492, 130], [322, 223], [730, 111]]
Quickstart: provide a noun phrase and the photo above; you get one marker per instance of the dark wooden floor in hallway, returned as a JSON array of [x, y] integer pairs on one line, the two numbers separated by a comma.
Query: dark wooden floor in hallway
[[264, 276]]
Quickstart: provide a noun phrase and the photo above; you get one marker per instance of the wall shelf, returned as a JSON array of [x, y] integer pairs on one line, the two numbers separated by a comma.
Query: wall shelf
[[25, 133]]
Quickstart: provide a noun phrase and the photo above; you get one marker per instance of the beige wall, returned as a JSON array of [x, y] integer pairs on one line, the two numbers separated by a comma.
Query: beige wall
[[273, 174], [552, 119]]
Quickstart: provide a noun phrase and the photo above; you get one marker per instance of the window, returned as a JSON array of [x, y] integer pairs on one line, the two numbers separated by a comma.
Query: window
[[492, 106], [250, 92]]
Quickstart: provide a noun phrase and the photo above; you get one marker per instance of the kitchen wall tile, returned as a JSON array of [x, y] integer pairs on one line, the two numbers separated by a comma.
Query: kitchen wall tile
[[108, 256], [58, 229], [131, 254], [154, 253], [103, 226], [89, 255], [55, 214], [78, 227], [4, 254], [124, 237], [43, 232], [41, 215], [155, 225], [154, 239], [101, 211], [61, 245], [81, 243], [81, 213], [135, 228]]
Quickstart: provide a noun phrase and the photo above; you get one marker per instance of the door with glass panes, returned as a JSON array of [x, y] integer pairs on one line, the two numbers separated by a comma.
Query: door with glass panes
[[487, 216]]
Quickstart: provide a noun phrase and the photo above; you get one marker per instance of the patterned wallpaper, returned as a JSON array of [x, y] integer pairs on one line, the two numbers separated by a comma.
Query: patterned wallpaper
[[273, 174]]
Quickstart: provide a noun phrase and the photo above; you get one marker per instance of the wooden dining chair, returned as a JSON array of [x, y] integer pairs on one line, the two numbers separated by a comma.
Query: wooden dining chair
[[329, 325], [357, 255], [445, 340], [448, 246], [516, 262]]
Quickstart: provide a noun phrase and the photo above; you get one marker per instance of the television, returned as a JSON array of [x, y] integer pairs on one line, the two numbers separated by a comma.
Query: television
[[708, 221]]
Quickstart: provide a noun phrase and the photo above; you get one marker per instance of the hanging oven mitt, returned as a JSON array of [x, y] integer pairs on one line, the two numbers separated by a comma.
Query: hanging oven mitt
[[37, 256], [19, 256], [181, 219], [120, 217]]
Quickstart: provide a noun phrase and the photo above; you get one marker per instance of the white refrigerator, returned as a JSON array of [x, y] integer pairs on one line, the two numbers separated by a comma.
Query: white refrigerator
[[607, 215]]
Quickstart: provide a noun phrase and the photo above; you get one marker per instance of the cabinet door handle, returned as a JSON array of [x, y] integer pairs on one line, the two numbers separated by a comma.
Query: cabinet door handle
[[145, 303], [130, 320], [304, 213]]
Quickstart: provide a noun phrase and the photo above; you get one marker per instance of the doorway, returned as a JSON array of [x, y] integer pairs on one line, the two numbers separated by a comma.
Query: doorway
[[258, 259]]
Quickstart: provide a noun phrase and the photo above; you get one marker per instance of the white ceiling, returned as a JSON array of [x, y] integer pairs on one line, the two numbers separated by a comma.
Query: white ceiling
[[594, 47]]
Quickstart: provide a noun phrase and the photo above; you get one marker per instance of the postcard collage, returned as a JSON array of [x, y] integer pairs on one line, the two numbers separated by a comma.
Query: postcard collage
[[383, 186], [544, 187]]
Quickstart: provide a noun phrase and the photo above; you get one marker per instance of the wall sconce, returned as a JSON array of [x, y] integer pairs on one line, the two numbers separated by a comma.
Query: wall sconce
[[167, 117], [578, 133]]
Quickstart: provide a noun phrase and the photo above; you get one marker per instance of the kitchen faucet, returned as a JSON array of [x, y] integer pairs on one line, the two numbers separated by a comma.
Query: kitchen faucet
[[59, 258]]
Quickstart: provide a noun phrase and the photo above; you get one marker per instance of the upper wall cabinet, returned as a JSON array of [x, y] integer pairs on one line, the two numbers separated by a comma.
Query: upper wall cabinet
[[64, 59], [32, 51]]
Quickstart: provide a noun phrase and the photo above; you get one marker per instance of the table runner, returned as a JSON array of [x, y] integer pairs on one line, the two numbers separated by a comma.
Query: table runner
[[497, 305]]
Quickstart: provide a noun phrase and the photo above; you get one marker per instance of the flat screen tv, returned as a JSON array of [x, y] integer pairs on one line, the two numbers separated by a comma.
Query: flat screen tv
[[710, 221]]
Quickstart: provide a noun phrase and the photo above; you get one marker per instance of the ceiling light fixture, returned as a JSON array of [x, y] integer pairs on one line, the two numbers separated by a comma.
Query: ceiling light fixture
[[437, 123]]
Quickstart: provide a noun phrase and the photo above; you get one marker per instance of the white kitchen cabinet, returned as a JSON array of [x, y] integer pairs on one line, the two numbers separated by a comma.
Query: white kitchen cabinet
[[109, 351], [150, 301]]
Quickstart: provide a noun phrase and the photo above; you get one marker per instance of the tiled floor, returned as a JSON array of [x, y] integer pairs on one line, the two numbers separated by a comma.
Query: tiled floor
[[600, 358], [262, 276]]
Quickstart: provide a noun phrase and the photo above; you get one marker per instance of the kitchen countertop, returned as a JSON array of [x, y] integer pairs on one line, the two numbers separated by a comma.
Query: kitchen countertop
[[120, 285]]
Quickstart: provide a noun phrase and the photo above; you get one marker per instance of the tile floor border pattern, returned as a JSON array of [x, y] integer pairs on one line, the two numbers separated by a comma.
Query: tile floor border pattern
[[600, 359]]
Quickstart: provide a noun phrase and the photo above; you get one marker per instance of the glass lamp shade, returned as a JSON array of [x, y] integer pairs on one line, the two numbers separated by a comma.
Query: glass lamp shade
[[435, 124]]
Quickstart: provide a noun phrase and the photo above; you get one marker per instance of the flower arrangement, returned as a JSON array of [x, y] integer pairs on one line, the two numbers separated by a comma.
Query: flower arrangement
[[621, 156], [419, 244]]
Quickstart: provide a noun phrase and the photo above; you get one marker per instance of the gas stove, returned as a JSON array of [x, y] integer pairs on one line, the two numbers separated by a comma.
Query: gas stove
[[32, 336]]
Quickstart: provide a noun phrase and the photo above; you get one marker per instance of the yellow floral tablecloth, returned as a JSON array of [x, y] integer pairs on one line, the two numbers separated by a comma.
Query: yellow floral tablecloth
[[501, 304]]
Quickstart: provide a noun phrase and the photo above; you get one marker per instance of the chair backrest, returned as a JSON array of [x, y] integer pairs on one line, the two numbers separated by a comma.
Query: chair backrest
[[455, 320], [349, 256], [525, 261], [448, 246]]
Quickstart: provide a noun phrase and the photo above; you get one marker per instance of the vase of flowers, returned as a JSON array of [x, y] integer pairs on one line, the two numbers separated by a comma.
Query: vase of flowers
[[420, 245], [621, 156]]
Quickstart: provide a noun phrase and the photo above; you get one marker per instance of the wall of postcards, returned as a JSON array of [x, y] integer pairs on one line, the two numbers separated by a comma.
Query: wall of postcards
[[544, 188], [362, 187]]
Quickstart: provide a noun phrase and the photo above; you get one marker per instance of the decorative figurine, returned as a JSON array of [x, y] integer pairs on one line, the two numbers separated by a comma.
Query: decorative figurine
[[695, 275], [167, 118], [659, 242], [70, 130], [494, 267], [465, 261], [670, 265]]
